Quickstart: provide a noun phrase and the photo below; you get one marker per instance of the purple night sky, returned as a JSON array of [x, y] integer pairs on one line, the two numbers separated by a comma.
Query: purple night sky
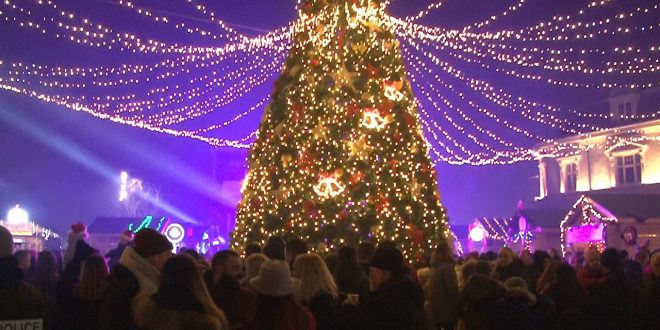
[[63, 166]]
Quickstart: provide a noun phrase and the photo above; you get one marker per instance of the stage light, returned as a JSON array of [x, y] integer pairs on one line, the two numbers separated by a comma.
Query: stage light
[[17, 216], [477, 233]]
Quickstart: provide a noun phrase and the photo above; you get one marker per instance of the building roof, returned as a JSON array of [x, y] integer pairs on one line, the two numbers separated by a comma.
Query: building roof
[[111, 225], [640, 206]]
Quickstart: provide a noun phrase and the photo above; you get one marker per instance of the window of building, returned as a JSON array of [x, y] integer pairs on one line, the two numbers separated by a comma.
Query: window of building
[[625, 110], [628, 169], [570, 177]]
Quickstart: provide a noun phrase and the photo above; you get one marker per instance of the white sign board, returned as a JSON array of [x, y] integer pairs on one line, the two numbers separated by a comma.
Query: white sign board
[[34, 324]]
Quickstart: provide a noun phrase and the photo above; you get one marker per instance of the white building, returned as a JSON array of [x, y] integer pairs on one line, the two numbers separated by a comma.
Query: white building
[[622, 157]]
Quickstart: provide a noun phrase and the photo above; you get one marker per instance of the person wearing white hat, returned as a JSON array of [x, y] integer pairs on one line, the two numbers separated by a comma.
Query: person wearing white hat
[[276, 308]]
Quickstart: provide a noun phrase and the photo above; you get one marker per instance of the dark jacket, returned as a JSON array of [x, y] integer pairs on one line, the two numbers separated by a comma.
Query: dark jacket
[[114, 254], [647, 304], [468, 301], [397, 304], [510, 308], [120, 289], [84, 314], [609, 304], [18, 300], [151, 316], [236, 302], [515, 268], [325, 310]]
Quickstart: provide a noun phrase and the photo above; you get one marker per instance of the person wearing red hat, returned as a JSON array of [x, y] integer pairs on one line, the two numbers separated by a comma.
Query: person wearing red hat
[[77, 249], [125, 240], [138, 272]]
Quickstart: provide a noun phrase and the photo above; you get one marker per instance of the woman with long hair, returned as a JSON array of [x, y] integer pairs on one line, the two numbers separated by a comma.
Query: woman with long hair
[[566, 292], [441, 291], [276, 308], [47, 274], [349, 274], [252, 266], [547, 277], [181, 302], [85, 307], [318, 290]]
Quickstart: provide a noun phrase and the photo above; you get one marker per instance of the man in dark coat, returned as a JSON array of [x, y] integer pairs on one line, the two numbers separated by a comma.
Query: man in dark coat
[[396, 302], [470, 296], [223, 284], [125, 240], [138, 271], [18, 300]]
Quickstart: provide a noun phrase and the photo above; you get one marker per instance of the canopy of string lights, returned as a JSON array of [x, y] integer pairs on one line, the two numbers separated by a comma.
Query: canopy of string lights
[[480, 87]]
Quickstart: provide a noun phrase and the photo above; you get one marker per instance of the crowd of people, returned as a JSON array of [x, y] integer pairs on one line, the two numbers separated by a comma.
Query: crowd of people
[[142, 285]]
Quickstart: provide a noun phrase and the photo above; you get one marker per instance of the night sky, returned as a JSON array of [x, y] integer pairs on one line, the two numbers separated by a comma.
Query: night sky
[[63, 166]]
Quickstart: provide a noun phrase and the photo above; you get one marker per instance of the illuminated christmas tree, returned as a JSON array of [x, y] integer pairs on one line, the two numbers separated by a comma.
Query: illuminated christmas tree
[[340, 156]]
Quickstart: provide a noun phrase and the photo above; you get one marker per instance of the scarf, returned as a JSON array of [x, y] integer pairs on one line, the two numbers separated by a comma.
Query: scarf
[[147, 275]]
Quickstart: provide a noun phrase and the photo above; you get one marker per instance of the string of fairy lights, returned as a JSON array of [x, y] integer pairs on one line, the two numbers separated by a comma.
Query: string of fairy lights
[[184, 71]]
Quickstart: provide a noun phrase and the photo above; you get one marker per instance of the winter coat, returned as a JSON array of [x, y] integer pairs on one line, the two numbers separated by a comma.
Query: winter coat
[[397, 304], [237, 302], [609, 305], [150, 316], [115, 254], [469, 298], [511, 308], [133, 275], [83, 315], [589, 279], [325, 310], [289, 316], [441, 293], [20, 301], [647, 304], [515, 268]]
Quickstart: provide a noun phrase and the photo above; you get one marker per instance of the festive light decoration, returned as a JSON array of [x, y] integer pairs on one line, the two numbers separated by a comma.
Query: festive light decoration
[[340, 157], [174, 233], [459, 73], [590, 219], [328, 187]]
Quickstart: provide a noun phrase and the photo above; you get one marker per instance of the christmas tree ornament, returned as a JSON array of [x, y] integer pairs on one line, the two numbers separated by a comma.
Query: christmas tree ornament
[[372, 119], [328, 187]]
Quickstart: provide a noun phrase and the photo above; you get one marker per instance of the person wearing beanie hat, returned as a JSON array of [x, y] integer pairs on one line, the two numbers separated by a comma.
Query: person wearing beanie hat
[[392, 291], [125, 239], [138, 271], [19, 300]]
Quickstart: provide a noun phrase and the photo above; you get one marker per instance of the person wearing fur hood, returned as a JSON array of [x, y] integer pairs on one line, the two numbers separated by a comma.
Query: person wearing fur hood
[[138, 271], [512, 306]]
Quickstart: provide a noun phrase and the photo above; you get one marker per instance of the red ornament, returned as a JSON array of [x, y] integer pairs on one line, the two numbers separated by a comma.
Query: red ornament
[[288, 225], [409, 119], [357, 177], [343, 214], [314, 63], [308, 6], [340, 39], [372, 71], [385, 108], [397, 137], [352, 110], [382, 203], [298, 111], [416, 235], [393, 164]]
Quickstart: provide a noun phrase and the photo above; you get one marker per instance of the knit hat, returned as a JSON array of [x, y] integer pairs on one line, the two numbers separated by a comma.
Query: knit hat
[[389, 259], [149, 242], [275, 279]]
